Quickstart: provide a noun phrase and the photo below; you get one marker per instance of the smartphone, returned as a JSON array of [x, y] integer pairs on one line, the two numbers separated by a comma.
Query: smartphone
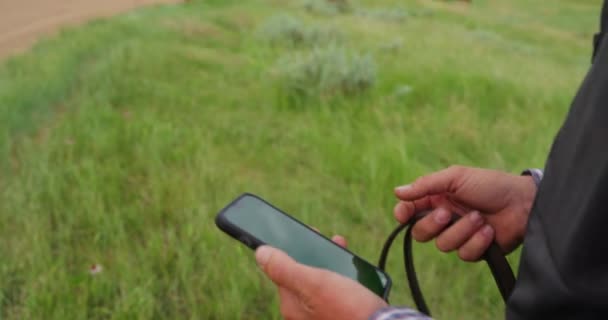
[[255, 222]]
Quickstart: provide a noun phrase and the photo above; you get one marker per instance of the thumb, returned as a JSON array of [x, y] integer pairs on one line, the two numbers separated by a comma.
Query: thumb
[[283, 270], [434, 183]]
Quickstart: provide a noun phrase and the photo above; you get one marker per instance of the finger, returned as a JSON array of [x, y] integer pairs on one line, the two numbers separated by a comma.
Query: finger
[[290, 305], [458, 234], [286, 272], [431, 225], [405, 210], [435, 183], [473, 249], [340, 240]]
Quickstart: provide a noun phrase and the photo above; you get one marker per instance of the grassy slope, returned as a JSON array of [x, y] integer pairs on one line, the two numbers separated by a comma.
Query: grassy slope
[[124, 137]]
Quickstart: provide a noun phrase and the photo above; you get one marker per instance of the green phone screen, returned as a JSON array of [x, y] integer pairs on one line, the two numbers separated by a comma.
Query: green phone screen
[[279, 230]]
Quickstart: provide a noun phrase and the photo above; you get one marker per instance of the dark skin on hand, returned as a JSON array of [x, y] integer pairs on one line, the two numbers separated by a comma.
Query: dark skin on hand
[[494, 206]]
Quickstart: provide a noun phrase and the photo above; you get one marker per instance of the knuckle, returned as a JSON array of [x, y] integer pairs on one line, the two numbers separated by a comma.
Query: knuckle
[[456, 173], [457, 170]]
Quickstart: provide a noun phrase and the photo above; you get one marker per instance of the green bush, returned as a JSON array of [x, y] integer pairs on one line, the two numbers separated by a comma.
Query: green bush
[[327, 7], [384, 14], [289, 31], [326, 72]]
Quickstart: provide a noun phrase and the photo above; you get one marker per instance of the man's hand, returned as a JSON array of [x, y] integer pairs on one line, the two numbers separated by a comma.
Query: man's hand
[[493, 204], [311, 293]]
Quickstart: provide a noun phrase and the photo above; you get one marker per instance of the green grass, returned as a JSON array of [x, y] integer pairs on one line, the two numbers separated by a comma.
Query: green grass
[[124, 137]]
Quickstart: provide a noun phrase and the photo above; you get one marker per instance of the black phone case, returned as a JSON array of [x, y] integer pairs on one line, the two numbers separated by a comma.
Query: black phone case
[[252, 242]]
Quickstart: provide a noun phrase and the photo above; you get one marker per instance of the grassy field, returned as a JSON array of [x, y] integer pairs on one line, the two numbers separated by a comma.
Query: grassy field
[[123, 138]]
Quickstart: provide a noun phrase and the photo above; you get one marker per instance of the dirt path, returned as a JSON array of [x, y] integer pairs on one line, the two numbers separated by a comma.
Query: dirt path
[[24, 21]]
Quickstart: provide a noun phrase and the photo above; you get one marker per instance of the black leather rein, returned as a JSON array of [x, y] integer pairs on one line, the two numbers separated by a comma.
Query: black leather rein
[[499, 266]]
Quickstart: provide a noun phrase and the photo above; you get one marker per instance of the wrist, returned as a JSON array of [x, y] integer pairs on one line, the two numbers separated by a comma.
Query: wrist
[[530, 181], [534, 178], [535, 174], [529, 192], [524, 193]]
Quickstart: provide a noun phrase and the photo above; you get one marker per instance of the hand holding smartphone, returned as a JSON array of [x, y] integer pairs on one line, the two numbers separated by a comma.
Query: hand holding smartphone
[[255, 222]]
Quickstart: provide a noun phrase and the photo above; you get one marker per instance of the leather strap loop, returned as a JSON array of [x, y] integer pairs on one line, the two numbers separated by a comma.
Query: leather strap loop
[[494, 257]]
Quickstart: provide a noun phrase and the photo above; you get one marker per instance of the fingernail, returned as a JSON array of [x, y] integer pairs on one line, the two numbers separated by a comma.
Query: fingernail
[[475, 217], [488, 231], [403, 188], [442, 216], [262, 254]]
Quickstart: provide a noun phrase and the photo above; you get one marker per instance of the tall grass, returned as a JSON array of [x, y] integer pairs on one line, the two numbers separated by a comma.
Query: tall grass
[[124, 137]]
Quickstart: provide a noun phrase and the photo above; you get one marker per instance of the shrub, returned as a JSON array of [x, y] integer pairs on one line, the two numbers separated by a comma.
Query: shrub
[[384, 14], [290, 31], [393, 44], [327, 7], [326, 72], [402, 90]]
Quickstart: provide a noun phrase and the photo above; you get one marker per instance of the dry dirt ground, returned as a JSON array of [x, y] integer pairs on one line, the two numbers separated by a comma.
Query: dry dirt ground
[[24, 21]]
